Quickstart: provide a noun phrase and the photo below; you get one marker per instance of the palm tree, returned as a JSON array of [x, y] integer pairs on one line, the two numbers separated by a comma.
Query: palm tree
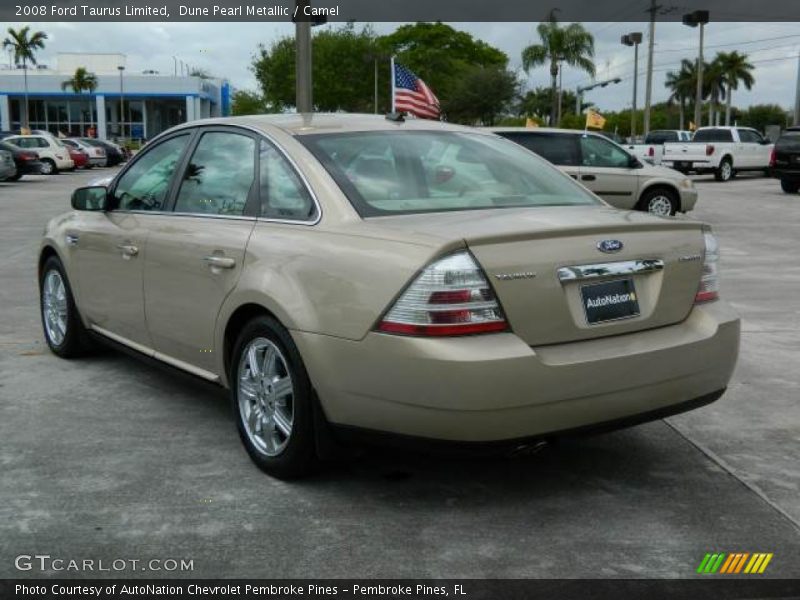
[[82, 81], [24, 48], [572, 45], [734, 68], [682, 86], [714, 84]]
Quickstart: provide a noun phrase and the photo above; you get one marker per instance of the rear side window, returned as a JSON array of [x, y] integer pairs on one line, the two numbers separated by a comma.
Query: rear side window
[[558, 149], [146, 184], [599, 152], [713, 135], [282, 193], [219, 176], [660, 137]]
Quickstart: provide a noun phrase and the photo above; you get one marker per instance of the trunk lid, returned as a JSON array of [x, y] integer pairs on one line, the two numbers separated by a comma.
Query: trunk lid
[[522, 250]]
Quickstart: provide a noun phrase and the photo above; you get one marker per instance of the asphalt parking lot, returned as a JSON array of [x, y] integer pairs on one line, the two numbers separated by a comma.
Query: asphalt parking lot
[[108, 458]]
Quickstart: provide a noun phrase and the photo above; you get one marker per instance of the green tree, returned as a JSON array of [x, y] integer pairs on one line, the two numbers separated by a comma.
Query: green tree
[[759, 116], [82, 81], [246, 102], [482, 95], [681, 85], [572, 45], [734, 69], [342, 73], [714, 84], [24, 46], [537, 103]]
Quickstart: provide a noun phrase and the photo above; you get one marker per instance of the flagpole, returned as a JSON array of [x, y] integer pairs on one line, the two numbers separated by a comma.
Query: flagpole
[[391, 77]]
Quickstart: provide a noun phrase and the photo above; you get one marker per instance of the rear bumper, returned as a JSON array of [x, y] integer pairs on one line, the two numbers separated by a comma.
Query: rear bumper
[[787, 174], [497, 388], [689, 165], [64, 164]]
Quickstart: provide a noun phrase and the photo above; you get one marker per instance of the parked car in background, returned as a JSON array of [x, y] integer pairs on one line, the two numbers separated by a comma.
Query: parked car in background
[[26, 161], [652, 147], [723, 151], [52, 152], [613, 136], [5, 134], [786, 160], [114, 153], [96, 154], [79, 157], [608, 170], [8, 170], [349, 275]]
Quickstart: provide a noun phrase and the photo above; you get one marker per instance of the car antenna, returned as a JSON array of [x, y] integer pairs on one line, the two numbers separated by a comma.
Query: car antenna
[[397, 117]]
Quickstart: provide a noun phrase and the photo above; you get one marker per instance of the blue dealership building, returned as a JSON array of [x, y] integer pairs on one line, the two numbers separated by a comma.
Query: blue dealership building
[[125, 104]]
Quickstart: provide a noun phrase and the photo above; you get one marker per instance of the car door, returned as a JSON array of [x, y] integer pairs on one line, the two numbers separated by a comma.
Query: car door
[[561, 149], [110, 245], [195, 253], [606, 169]]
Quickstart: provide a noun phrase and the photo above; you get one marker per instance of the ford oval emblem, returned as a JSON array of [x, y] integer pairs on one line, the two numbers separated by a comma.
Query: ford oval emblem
[[609, 246]]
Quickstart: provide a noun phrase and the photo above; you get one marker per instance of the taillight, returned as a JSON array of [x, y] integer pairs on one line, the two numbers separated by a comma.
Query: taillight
[[28, 156], [651, 151], [772, 158], [709, 149], [709, 281], [450, 297]]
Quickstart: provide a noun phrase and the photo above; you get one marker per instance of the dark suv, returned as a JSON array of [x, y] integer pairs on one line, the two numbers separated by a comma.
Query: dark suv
[[785, 163]]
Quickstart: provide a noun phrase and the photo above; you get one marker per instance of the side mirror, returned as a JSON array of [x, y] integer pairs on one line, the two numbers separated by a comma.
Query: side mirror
[[90, 198], [635, 163]]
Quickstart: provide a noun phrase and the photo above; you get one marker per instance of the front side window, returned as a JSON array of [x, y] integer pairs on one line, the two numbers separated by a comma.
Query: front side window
[[283, 195], [146, 184], [391, 172], [219, 175], [598, 152], [749, 136]]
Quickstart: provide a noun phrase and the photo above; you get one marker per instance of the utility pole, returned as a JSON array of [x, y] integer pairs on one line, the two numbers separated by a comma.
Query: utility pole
[[634, 39], [560, 93], [302, 28], [121, 69], [648, 88], [797, 94], [698, 17]]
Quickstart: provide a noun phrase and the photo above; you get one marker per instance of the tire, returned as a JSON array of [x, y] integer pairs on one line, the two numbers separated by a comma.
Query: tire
[[49, 167], [725, 170], [57, 305], [659, 201], [273, 404], [790, 187]]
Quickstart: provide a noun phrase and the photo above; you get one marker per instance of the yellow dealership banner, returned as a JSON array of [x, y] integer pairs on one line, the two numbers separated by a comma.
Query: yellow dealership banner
[[531, 123], [692, 126], [594, 120]]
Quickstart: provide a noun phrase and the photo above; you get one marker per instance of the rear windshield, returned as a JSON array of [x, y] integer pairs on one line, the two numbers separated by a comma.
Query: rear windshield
[[659, 137], [713, 135], [385, 173]]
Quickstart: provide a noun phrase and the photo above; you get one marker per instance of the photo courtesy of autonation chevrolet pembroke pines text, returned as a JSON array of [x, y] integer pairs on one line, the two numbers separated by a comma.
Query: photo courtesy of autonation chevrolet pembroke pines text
[[366, 300]]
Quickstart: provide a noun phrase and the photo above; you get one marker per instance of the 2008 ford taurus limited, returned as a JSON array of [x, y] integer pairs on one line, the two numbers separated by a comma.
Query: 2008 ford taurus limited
[[349, 274]]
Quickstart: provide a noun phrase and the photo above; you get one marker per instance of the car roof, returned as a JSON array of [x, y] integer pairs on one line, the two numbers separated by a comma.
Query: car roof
[[317, 123], [543, 130]]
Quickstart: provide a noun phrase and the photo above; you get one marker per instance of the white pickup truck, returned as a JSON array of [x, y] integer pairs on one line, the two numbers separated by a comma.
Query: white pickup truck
[[652, 148], [720, 150]]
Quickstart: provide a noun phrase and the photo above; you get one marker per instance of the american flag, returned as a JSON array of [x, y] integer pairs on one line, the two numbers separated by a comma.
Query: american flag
[[413, 95]]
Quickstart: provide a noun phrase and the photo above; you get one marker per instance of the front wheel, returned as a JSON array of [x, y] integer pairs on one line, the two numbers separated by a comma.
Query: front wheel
[[661, 202], [63, 329], [49, 167], [271, 395], [790, 187], [725, 170]]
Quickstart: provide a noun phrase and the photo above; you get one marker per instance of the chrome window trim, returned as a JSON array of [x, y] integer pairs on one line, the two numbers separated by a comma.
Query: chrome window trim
[[195, 127], [169, 213], [611, 269]]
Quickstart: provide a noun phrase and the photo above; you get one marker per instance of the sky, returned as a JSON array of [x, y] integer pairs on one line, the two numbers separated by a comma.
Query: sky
[[226, 50]]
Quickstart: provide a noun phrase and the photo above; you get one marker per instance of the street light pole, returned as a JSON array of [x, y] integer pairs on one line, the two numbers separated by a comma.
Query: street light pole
[[121, 103], [648, 89], [634, 39], [579, 91], [302, 27], [797, 94], [698, 17]]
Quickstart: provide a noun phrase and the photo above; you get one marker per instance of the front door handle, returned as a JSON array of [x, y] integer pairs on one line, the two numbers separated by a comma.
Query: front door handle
[[128, 250], [72, 239], [220, 262], [588, 177]]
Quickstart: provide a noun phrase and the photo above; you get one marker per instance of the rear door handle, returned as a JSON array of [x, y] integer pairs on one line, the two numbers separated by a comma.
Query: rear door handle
[[220, 262], [588, 177], [128, 250]]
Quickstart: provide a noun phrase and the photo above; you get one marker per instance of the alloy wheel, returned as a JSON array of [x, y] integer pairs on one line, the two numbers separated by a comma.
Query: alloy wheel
[[54, 307], [660, 205], [266, 396]]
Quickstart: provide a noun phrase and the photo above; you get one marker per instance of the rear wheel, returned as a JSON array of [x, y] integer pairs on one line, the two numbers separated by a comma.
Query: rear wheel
[[49, 167], [725, 170], [659, 201], [63, 329], [790, 187], [271, 396]]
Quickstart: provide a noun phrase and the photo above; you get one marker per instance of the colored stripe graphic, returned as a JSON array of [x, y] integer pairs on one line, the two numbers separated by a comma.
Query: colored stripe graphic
[[734, 563]]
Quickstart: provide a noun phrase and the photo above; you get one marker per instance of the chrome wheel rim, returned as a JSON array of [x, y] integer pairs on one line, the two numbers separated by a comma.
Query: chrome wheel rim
[[47, 168], [54, 307], [266, 397], [726, 171], [660, 205]]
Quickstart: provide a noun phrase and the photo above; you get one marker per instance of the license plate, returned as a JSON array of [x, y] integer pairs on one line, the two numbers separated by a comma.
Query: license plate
[[682, 164], [609, 301]]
